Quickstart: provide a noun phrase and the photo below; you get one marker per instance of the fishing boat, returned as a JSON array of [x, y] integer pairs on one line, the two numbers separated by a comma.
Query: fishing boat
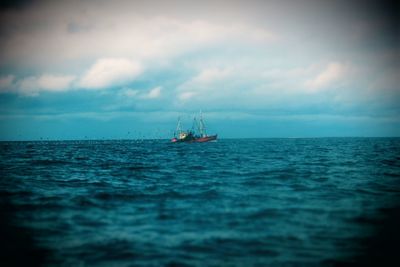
[[196, 135]]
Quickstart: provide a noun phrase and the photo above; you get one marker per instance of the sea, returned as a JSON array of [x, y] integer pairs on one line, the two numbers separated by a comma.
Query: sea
[[234, 202]]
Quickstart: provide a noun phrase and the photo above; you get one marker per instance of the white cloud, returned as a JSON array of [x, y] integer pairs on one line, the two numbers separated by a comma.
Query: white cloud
[[211, 75], [154, 93], [6, 83], [333, 72], [53, 83], [258, 86], [219, 86], [106, 72], [131, 93], [206, 80], [186, 95], [109, 72], [127, 92], [87, 31]]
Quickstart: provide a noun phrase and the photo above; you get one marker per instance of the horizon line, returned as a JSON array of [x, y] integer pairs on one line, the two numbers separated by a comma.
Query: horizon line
[[165, 139]]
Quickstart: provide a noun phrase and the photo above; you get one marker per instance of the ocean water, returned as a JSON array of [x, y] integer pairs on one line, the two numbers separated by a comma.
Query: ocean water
[[237, 202]]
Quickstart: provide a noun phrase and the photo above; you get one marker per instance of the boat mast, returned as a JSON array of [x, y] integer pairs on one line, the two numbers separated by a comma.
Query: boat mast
[[195, 126], [202, 127], [178, 127]]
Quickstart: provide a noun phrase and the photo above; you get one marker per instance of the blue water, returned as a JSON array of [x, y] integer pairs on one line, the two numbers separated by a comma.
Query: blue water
[[243, 202]]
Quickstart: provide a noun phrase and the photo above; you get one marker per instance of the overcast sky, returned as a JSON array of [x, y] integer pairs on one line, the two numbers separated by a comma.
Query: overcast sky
[[128, 69]]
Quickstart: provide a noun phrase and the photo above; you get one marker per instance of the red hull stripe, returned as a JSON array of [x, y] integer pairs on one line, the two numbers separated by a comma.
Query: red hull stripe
[[205, 139], [197, 140]]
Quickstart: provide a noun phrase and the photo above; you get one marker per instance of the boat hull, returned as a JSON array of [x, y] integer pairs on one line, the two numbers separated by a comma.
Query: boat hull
[[206, 139], [196, 140]]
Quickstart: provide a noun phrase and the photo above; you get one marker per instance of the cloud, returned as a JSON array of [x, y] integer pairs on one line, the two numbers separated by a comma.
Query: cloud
[[212, 83], [128, 93], [53, 83], [6, 83], [240, 85], [333, 72], [186, 95], [211, 75], [207, 79], [110, 72], [224, 87], [153, 93], [87, 31], [208, 84], [246, 86], [138, 94], [104, 73]]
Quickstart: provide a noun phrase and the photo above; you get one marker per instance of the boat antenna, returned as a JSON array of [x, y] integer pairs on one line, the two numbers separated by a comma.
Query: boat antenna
[[202, 127], [178, 126], [194, 125]]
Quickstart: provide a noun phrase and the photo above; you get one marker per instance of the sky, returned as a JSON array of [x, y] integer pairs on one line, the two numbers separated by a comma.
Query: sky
[[128, 69]]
